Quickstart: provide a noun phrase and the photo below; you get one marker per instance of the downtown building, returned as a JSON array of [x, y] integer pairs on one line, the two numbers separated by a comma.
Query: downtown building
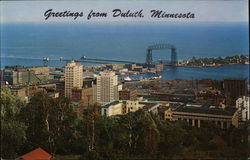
[[106, 88], [233, 89], [73, 77], [19, 75], [127, 94], [122, 107], [199, 114], [243, 106]]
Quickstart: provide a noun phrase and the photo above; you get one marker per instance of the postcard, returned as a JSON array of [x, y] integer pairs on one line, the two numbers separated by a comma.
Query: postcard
[[125, 79]]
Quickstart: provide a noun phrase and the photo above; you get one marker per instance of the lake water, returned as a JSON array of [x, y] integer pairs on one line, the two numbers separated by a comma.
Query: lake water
[[26, 44], [218, 73]]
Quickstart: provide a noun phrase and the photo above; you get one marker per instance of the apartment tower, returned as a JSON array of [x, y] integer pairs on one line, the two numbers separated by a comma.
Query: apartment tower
[[73, 77], [106, 88]]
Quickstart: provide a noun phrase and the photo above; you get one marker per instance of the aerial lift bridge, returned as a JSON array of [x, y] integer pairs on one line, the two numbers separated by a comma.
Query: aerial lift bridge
[[149, 57]]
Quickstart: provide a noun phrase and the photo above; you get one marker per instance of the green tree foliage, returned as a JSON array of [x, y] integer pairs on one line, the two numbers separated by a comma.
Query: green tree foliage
[[172, 138], [53, 125], [80, 145], [10, 105], [12, 138], [50, 123], [145, 134], [13, 133]]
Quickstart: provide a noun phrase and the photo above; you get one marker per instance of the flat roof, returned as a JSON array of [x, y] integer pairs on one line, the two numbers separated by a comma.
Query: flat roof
[[234, 79], [148, 105], [163, 109], [205, 109], [110, 104]]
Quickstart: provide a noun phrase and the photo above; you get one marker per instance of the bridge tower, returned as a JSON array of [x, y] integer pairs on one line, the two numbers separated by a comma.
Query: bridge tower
[[173, 57], [149, 56], [150, 49]]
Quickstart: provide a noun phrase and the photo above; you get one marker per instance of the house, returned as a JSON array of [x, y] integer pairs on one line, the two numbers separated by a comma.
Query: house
[[37, 154]]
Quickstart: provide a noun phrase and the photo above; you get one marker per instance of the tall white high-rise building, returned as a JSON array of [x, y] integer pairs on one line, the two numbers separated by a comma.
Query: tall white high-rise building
[[73, 77], [242, 103], [106, 88]]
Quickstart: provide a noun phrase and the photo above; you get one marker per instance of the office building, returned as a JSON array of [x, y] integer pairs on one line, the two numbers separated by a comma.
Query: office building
[[242, 104], [73, 77], [234, 88], [85, 95], [123, 107], [113, 108], [19, 75], [198, 114], [127, 94], [106, 88]]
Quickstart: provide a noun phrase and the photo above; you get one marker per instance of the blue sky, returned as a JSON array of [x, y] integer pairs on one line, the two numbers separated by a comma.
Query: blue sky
[[205, 11]]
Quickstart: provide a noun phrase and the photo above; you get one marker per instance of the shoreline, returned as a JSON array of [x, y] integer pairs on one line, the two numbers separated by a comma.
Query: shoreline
[[178, 65], [220, 65]]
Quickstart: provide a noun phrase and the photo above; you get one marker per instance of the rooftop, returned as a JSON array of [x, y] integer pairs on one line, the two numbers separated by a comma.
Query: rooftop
[[163, 109], [205, 109], [147, 105], [234, 79], [110, 104], [37, 154]]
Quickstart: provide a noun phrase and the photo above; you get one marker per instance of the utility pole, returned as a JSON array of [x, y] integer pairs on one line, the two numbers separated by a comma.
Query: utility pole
[[91, 138], [248, 136], [93, 131], [89, 148]]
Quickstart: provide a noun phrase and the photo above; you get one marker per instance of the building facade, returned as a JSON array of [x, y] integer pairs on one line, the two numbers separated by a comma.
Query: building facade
[[233, 88], [113, 108], [132, 106], [127, 94], [165, 113], [123, 107], [73, 77], [106, 88], [199, 114], [242, 104], [19, 75], [159, 67]]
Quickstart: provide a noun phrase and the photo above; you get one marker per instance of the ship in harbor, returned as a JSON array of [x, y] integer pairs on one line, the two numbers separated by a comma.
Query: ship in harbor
[[129, 79]]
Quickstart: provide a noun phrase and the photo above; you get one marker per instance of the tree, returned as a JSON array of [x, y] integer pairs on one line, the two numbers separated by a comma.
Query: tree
[[138, 134], [50, 123], [10, 105], [172, 138], [36, 115], [147, 132], [13, 136], [106, 136], [13, 133], [62, 121]]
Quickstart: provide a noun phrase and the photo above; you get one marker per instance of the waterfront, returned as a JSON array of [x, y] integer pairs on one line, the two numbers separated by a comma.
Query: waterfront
[[217, 73]]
